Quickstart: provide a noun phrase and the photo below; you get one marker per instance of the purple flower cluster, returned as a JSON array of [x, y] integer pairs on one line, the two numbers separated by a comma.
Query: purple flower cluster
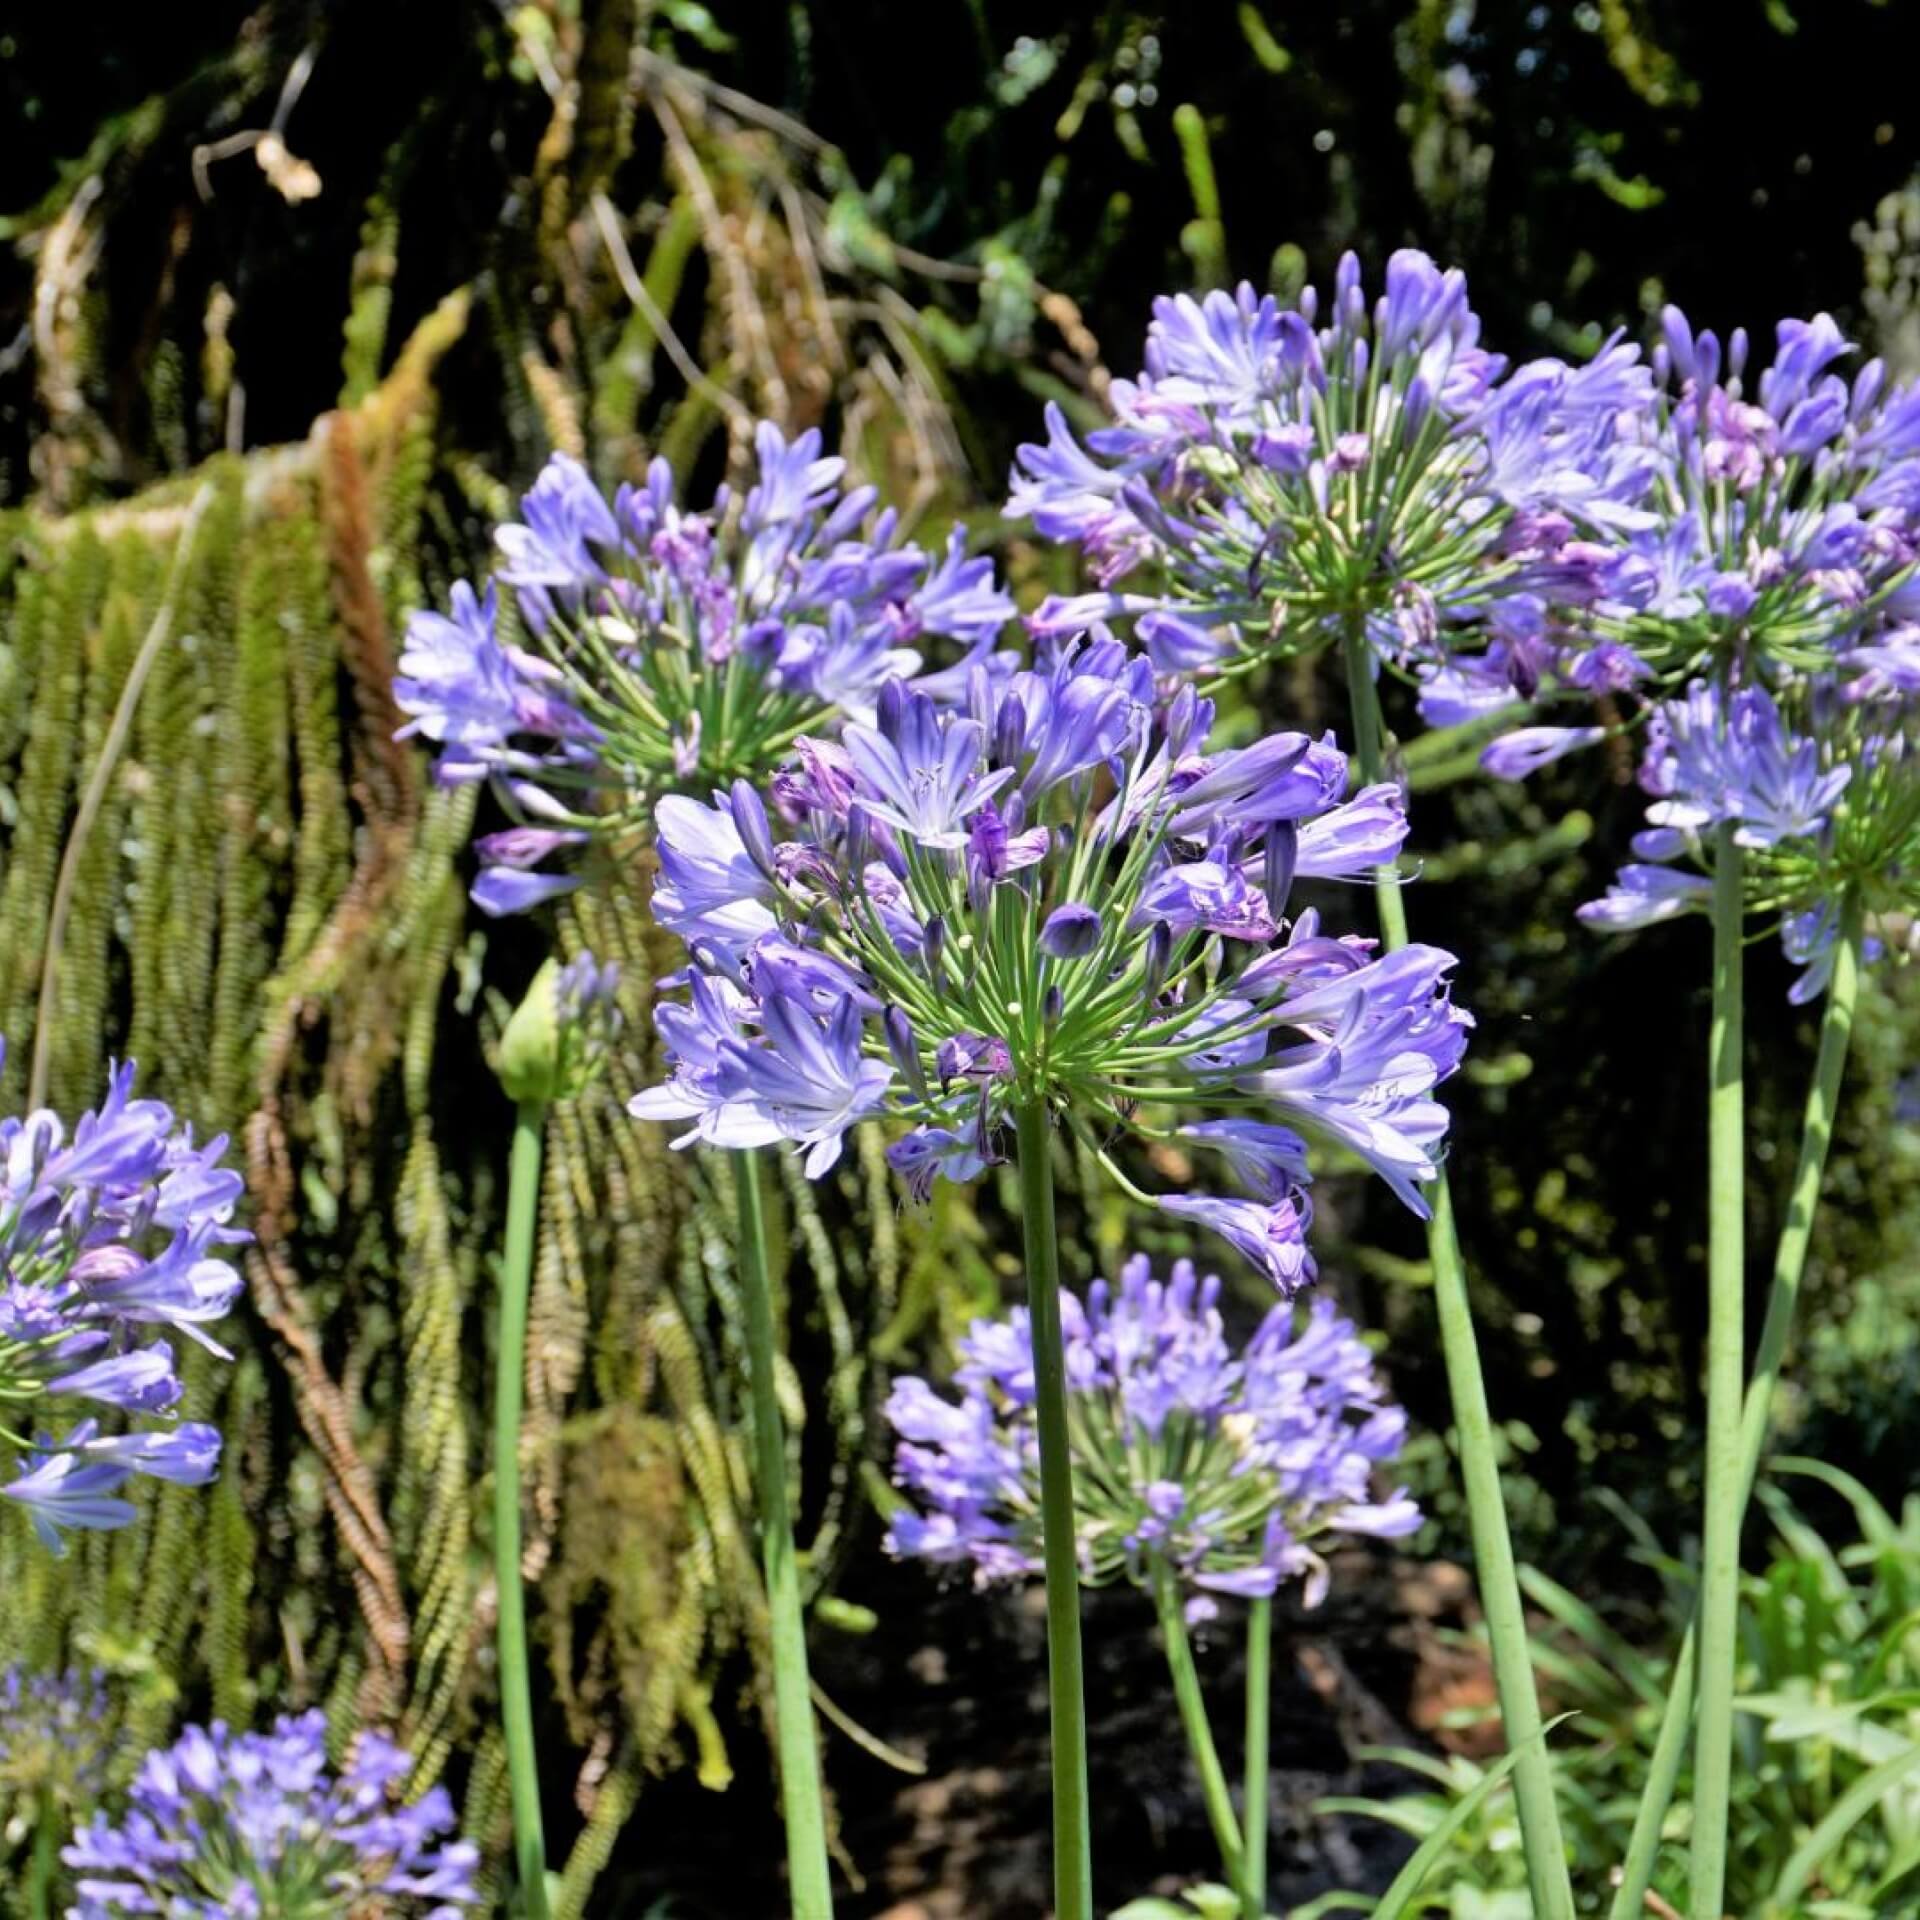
[[110, 1239], [1777, 566], [1057, 891], [243, 1826], [1821, 789], [1778, 531], [1724, 558], [54, 1735], [1233, 1469], [1279, 473], [657, 648]]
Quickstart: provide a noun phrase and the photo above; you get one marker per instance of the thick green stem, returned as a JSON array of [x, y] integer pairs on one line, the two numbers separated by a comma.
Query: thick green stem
[[1726, 1369], [510, 1372], [1072, 1839], [1253, 1795], [1789, 1263], [1199, 1730], [1541, 1838], [46, 1859], [794, 1738]]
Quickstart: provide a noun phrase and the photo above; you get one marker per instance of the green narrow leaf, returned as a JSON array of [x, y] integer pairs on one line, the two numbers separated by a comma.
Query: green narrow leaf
[[1399, 1897], [1875, 1521], [1573, 1613], [1846, 1813]]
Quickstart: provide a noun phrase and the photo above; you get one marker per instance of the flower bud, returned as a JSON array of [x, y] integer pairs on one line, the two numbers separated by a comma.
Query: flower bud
[[1071, 931], [557, 1038], [1159, 957], [1009, 733], [1417, 405], [750, 823], [1280, 853], [906, 1051], [859, 848]]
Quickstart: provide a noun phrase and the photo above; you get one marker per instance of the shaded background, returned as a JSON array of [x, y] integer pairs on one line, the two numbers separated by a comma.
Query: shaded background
[[911, 239]]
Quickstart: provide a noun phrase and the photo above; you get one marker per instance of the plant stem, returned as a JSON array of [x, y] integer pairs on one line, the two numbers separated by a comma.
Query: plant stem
[[510, 1368], [1726, 1366], [1199, 1730], [1541, 1838], [46, 1860], [794, 1739], [1253, 1796], [1789, 1263], [1072, 1839]]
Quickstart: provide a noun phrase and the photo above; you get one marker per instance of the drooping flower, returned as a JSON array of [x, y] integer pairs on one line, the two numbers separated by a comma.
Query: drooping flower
[[1232, 1468], [109, 1237], [225, 1823], [653, 649], [1061, 893]]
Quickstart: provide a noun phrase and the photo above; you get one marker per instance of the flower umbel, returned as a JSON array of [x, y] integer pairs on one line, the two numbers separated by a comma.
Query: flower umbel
[[1278, 472], [653, 648], [1058, 893], [1233, 1468], [238, 1824], [110, 1242], [55, 1736], [1822, 790]]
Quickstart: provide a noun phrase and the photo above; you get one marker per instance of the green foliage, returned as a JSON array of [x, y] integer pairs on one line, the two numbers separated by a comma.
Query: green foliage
[[1826, 1817]]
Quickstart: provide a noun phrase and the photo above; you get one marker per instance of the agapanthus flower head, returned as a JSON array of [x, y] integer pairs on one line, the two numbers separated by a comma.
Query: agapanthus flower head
[[651, 648], [258, 1824], [1278, 474], [112, 1241], [1779, 530], [1234, 1468], [1820, 789], [1059, 893], [55, 1736]]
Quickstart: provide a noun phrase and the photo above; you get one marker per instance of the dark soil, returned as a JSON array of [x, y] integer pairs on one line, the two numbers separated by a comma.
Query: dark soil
[[957, 1681]]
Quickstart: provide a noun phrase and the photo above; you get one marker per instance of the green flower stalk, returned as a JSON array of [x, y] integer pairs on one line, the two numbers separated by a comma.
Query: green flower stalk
[[794, 1736], [551, 1049], [1055, 908], [1790, 1258], [1500, 1598]]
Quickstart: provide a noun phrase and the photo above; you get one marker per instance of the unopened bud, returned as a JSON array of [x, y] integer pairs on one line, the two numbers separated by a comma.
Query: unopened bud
[[906, 1051], [750, 823]]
